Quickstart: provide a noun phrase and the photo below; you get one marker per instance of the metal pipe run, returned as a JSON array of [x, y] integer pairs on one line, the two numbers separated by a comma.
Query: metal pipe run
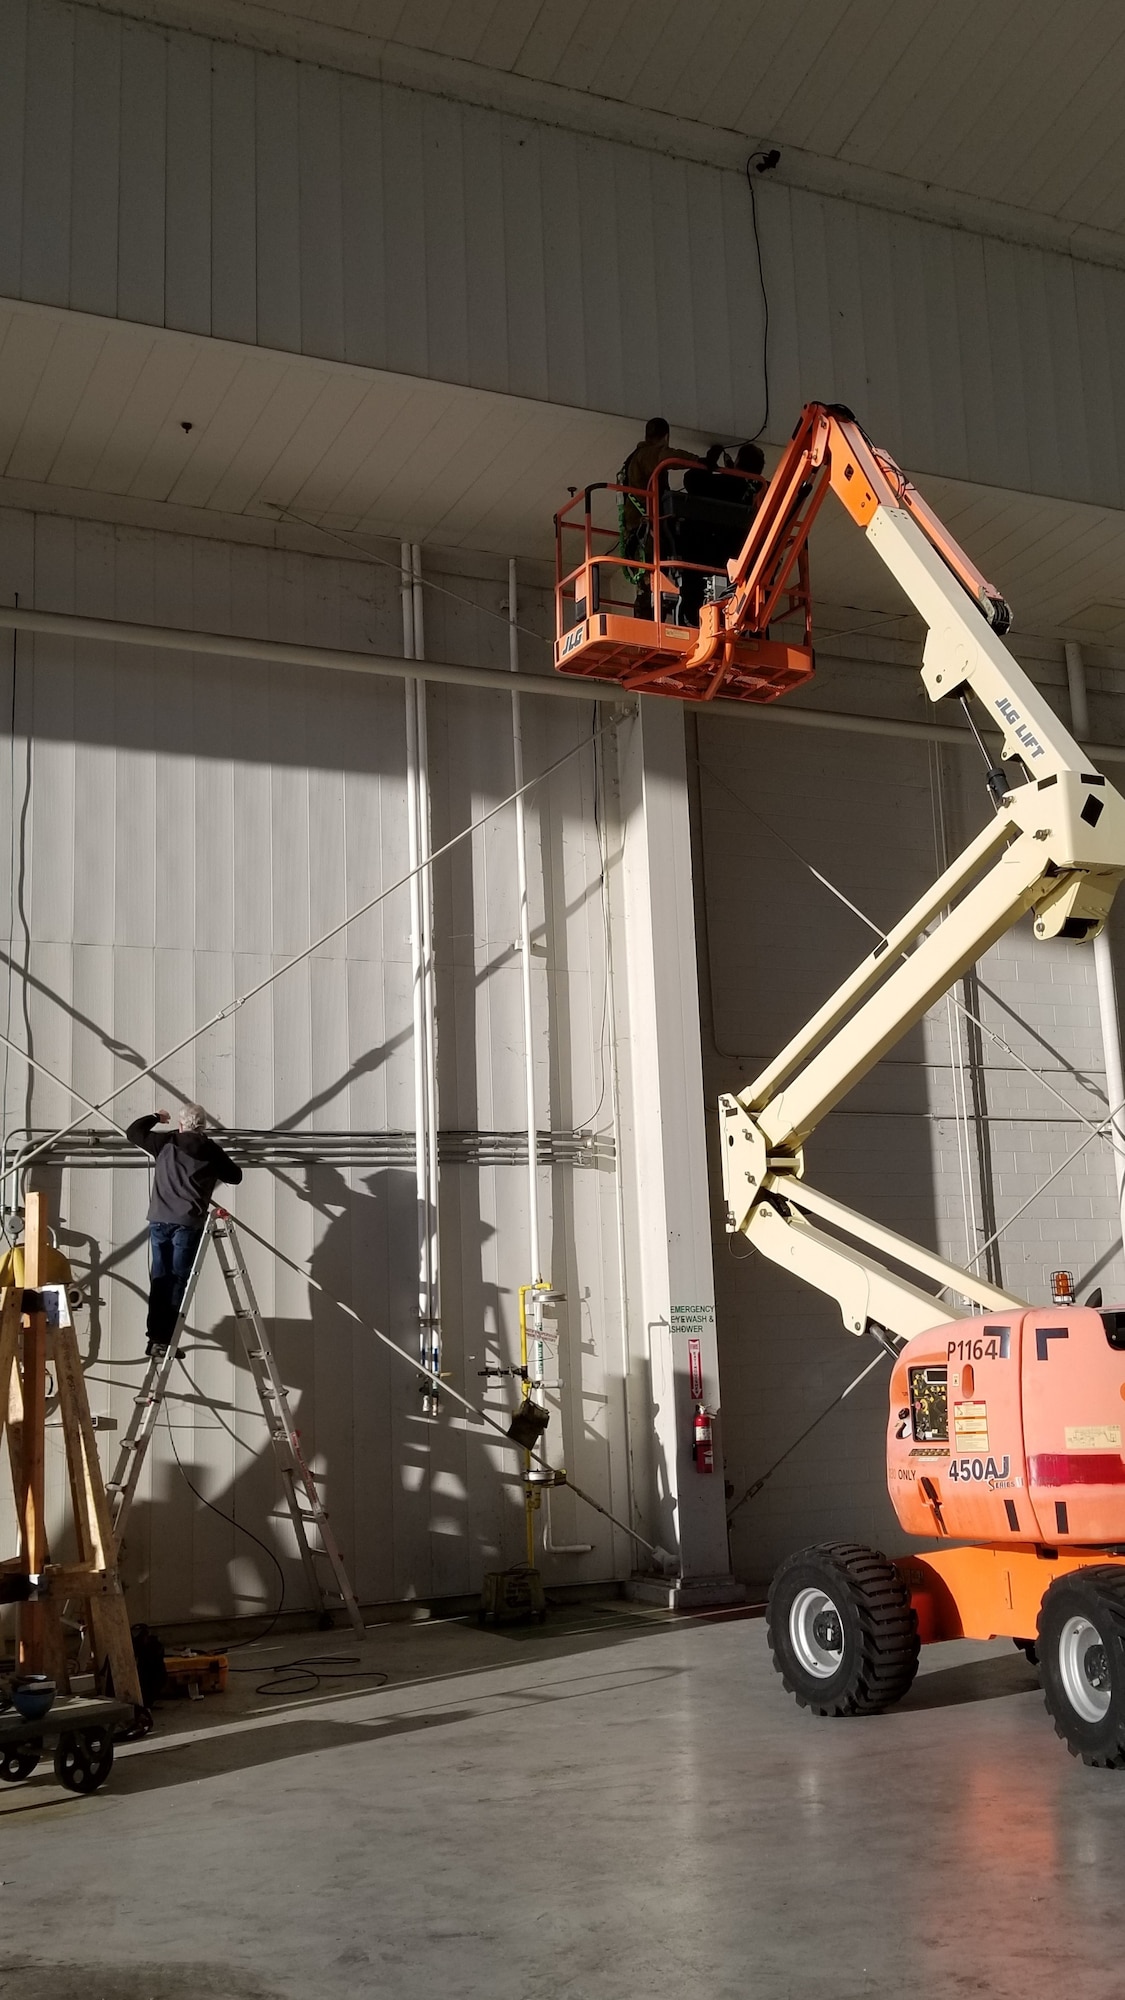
[[423, 999], [534, 1259], [557, 687]]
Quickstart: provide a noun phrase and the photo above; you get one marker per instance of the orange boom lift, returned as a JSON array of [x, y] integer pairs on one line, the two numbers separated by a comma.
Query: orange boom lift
[[1005, 1425]]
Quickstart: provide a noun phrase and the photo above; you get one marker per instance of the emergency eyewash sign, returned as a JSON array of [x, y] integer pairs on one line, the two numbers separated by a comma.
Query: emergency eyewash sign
[[691, 1323]]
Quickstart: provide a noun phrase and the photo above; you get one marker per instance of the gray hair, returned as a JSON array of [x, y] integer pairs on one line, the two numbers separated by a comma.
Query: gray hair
[[193, 1118]]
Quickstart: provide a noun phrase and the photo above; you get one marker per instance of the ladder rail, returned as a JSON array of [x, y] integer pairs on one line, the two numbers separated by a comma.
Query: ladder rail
[[133, 1448], [306, 1508]]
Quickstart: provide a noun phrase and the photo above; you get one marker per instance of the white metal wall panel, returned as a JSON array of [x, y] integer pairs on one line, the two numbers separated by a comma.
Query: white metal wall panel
[[208, 187], [1011, 99], [189, 827]]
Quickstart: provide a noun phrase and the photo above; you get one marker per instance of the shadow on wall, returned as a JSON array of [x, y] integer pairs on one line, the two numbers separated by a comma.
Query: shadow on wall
[[773, 945], [396, 1485]]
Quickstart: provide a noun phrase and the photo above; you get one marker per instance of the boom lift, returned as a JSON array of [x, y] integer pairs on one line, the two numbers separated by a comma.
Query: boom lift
[[1005, 1430]]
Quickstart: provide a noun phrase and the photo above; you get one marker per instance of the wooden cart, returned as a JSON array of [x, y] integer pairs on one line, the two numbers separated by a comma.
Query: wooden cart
[[82, 1731]]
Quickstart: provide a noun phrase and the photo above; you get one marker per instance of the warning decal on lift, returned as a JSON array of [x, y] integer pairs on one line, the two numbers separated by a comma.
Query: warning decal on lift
[[1093, 1437], [970, 1426]]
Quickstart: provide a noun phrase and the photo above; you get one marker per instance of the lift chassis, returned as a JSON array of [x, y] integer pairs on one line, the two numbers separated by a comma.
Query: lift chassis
[[1005, 1428]]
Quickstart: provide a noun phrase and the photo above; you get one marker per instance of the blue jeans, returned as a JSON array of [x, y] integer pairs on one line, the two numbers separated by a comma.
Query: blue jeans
[[172, 1248]]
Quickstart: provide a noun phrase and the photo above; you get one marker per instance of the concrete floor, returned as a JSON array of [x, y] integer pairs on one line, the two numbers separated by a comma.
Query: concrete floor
[[615, 1807]]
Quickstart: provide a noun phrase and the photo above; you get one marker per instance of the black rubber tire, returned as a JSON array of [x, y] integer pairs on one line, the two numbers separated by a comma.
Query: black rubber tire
[[877, 1629], [1096, 1595], [18, 1760], [83, 1759]]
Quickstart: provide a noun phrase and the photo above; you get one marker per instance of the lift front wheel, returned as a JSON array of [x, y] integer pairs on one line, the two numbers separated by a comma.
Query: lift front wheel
[[1082, 1663], [841, 1630]]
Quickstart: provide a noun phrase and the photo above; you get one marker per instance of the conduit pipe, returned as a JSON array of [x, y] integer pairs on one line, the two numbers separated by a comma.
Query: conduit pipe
[[558, 687], [423, 998], [535, 1260], [1108, 1013]]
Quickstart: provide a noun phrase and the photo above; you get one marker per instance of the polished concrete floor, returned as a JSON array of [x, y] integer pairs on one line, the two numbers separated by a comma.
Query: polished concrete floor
[[614, 1807]]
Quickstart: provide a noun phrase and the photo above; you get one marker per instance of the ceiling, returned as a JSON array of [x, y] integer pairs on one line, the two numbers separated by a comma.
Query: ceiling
[[1014, 101], [92, 411]]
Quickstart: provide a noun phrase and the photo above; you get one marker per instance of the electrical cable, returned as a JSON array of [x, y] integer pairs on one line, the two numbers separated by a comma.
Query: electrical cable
[[242, 1530], [757, 162], [309, 1674], [352, 917]]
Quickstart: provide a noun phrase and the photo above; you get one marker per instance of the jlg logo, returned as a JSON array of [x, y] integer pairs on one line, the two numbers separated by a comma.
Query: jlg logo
[[1022, 733]]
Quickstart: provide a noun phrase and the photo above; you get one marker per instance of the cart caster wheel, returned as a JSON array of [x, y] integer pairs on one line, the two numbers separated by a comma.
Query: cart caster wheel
[[20, 1760], [141, 1725], [83, 1759]]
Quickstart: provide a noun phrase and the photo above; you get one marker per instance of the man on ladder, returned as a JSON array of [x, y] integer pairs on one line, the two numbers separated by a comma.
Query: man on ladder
[[188, 1165], [183, 1225]]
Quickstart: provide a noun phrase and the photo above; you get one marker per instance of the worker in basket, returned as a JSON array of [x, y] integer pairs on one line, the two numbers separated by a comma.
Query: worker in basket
[[633, 517], [708, 524], [188, 1165]]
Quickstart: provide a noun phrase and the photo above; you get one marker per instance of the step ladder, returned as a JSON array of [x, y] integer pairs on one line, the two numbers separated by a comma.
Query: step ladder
[[316, 1543]]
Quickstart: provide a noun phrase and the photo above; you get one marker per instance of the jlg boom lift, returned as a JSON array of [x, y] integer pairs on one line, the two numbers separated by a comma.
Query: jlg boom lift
[[1004, 1440]]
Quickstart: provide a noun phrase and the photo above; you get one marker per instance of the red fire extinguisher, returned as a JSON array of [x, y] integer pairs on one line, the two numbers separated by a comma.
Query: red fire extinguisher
[[702, 1441]]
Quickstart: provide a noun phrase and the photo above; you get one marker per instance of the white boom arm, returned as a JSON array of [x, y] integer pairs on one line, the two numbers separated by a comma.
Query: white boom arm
[[1056, 847]]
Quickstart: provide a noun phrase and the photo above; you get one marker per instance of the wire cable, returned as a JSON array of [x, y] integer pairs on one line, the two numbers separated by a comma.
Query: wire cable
[[752, 1492], [756, 164], [1102, 1129], [440, 1382], [352, 917], [387, 562]]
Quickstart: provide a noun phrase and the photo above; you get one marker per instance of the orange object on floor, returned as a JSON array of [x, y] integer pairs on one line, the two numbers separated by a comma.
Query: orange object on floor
[[206, 1673]]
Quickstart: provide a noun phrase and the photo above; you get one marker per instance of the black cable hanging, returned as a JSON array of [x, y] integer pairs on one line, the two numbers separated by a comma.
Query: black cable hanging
[[762, 163]]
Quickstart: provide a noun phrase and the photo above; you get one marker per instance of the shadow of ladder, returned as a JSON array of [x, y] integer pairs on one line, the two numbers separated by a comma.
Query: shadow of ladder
[[316, 1542]]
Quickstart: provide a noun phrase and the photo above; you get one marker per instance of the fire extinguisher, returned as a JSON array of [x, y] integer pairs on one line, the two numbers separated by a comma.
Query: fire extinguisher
[[702, 1441]]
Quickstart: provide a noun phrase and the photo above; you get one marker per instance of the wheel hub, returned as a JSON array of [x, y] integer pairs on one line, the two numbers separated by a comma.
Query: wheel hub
[[816, 1632], [1084, 1669]]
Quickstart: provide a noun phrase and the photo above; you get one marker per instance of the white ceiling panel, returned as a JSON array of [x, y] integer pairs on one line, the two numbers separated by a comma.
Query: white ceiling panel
[[98, 406]]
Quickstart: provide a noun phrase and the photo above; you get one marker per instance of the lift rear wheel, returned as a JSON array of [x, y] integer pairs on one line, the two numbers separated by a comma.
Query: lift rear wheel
[[841, 1630], [1082, 1663]]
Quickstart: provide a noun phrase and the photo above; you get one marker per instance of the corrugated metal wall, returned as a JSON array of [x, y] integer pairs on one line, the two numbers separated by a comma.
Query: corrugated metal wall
[[165, 179], [179, 829]]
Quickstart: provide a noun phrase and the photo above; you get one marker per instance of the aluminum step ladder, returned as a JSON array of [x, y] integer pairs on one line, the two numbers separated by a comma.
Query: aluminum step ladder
[[316, 1543]]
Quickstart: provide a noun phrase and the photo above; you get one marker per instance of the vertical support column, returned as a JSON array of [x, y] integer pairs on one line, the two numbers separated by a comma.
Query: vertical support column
[[424, 992], [670, 1295]]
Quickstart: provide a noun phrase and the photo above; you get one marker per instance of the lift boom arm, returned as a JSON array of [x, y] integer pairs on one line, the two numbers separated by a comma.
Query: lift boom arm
[[1056, 847]]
